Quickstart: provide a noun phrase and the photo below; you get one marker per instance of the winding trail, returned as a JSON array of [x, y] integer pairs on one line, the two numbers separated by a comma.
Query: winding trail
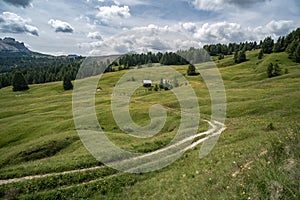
[[216, 128], [25, 178]]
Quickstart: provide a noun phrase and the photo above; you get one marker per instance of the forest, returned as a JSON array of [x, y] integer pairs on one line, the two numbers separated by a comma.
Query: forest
[[42, 69]]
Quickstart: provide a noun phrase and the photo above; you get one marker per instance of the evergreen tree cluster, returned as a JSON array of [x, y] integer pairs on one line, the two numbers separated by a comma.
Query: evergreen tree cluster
[[42, 69], [138, 59], [37, 74], [93, 67], [168, 58], [13, 63], [239, 56], [172, 59], [292, 44], [5, 79], [194, 55], [229, 49], [289, 44], [267, 45], [181, 57]]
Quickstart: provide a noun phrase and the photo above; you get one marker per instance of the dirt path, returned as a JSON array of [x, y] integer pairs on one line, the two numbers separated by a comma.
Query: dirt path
[[212, 131], [216, 129], [15, 180]]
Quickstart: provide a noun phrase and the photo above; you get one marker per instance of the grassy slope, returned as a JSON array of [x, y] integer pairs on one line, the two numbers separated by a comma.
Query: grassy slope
[[37, 136]]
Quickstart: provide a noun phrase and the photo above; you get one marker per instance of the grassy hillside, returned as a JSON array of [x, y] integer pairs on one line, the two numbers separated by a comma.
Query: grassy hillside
[[257, 157]]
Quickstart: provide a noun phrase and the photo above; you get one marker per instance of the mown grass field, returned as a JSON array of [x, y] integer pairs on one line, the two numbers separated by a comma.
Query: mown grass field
[[257, 157]]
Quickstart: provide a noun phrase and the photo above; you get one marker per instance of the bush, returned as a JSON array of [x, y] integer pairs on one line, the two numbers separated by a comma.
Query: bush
[[191, 71], [273, 70]]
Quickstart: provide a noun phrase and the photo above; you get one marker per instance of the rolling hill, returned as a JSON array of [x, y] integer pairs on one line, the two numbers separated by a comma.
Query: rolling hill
[[256, 157]]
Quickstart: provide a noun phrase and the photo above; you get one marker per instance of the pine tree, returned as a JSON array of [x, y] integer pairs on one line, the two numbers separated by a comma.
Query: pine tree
[[297, 54], [235, 57], [282, 44], [267, 45], [242, 56], [292, 48], [18, 82], [278, 45], [67, 84]]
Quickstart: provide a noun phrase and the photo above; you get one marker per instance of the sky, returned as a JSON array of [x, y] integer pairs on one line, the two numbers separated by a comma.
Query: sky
[[103, 27]]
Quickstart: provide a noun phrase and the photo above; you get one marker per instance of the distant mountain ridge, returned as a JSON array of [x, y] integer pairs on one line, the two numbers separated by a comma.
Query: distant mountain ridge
[[10, 47]]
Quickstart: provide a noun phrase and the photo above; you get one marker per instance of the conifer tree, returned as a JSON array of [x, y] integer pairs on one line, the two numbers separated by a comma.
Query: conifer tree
[[297, 54], [18, 82], [242, 56], [267, 45], [67, 84], [235, 57]]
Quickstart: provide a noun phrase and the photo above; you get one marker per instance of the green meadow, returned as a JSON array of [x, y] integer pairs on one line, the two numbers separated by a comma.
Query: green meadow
[[256, 157]]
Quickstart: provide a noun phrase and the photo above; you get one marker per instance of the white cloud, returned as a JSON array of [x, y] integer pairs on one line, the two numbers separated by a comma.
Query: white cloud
[[255, 14], [94, 35], [61, 26], [13, 23], [280, 27], [183, 36], [209, 4], [107, 13], [274, 29], [143, 39], [221, 32], [225, 32], [189, 26]]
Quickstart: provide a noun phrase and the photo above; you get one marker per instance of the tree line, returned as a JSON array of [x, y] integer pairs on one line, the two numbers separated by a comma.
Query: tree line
[[289, 44], [40, 69], [35, 71]]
